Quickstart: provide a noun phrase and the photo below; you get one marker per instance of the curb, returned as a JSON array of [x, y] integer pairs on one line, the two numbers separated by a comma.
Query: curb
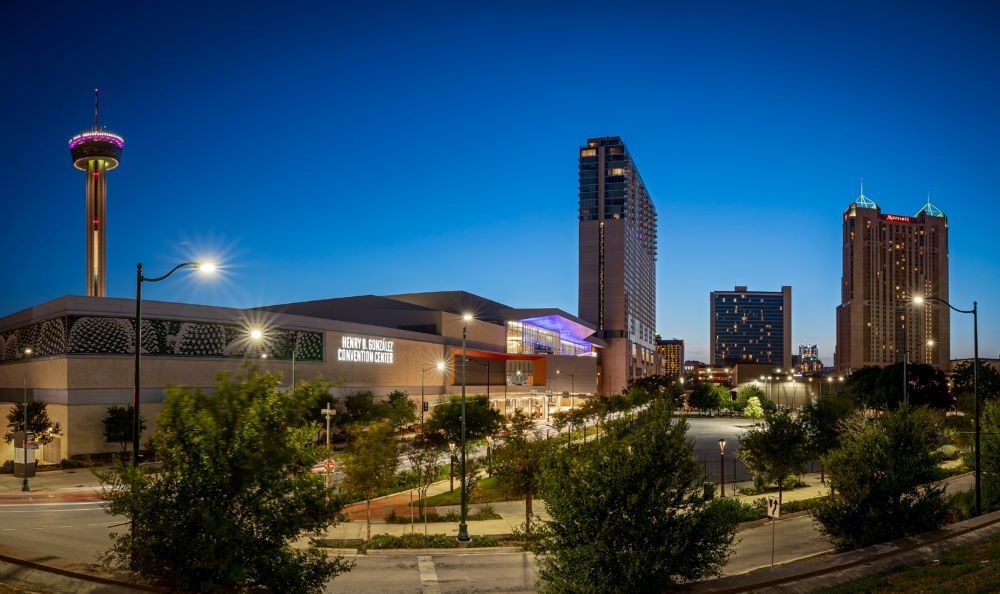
[[450, 551], [70, 570]]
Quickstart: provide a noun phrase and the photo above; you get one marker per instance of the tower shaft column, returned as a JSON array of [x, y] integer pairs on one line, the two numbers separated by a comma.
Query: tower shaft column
[[96, 223]]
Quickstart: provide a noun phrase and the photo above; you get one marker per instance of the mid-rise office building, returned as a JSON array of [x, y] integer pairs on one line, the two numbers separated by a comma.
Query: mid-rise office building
[[751, 327], [617, 261], [671, 356], [887, 260]]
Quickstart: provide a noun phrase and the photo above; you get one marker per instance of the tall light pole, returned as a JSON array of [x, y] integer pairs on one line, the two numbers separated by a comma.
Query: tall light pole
[[463, 529], [440, 367], [328, 412], [295, 348], [722, 466], [975, 382], [24, 436], [205, 267]]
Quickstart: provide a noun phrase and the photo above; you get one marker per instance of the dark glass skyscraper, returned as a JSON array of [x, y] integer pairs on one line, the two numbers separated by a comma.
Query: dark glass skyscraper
[[752, 327], [617, 261]]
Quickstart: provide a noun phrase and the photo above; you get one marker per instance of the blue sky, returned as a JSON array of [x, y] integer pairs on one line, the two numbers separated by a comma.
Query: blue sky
[[329, 151]]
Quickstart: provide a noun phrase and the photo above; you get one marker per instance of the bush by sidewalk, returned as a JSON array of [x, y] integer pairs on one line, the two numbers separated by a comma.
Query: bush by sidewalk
[[423, 541]]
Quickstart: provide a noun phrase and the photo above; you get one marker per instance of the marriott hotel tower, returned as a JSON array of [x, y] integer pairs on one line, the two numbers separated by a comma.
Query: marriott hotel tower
[[888, 259], [617, 261]]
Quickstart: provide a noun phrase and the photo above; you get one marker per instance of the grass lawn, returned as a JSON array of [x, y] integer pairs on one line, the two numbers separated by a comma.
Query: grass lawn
[[968, 569], [487, 491]]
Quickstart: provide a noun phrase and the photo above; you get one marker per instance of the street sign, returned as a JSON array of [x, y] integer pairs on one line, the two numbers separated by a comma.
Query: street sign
[[773, 507], [329, 465]]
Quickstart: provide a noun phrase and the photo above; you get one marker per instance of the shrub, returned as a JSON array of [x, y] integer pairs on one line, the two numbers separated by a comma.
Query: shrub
[[737, 511], [410, 541], [484, 541], [7, 467], [67, 463]]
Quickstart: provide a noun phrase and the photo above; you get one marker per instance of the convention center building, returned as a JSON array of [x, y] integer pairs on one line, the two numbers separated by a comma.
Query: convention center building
[[82, 351]]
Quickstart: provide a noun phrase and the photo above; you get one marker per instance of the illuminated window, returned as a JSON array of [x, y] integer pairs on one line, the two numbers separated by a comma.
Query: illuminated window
[[588, 152], [616, 171]]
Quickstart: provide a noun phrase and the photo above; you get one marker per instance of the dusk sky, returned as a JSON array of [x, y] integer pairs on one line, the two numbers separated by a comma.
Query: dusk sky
[[319, 151]]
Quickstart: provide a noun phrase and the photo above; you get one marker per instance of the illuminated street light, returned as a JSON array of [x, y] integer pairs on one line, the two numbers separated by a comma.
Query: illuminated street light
[[463, 528], [440, 367], [24, 435], [204, 268]]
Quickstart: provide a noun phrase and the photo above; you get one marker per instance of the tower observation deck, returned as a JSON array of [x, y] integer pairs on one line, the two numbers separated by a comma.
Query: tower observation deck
[[96, 152]]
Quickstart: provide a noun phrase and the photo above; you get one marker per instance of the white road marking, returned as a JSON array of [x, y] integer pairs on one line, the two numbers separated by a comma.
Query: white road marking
[[428, 575]]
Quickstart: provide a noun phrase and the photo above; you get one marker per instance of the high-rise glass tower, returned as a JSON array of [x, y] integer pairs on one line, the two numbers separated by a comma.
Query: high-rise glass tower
[[96, 152], [889, 259], [617, 261]]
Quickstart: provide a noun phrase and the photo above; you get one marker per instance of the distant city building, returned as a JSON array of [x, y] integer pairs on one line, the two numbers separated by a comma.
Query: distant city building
[[808, 359], [887, 260], [671, 356], [617, 261], [751, 327]]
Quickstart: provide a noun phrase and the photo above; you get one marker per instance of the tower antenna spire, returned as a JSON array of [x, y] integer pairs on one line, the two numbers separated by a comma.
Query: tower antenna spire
[[97, 106], [862, 185]]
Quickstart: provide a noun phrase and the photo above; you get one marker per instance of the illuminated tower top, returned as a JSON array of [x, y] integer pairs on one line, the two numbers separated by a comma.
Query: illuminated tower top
[[96, 143], [97, 152]]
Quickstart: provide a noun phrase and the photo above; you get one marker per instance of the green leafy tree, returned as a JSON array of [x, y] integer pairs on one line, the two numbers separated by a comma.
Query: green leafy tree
[[371, 465], [753, 409], [775, 451], [861, 387], [424, 457], [625, 515], [517, 462], [926, 386], [233, 494], [989, 380], [990, 457], [360, 411], [745, 393], [822, 421], [480, 419], [118, 426], [39, 423], [883, 480], [724, 397], [704, 396], [397, 410]]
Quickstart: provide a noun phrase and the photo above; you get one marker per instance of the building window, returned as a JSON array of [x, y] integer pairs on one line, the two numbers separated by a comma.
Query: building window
[[588, 152]]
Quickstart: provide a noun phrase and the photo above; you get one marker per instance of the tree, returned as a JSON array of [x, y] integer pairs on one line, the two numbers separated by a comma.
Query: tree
[[704, 397], [822, 421], [861, 386], [745, 393], [424, 457], [118, 426], [990, 457], [371, 464], [480, 419], [753, 409], [517, 462], [360, 411], [39, 422], [883, 480], [398, 410], [989, 380], [234, 492], [625, 514], [775, 451], [926, 386]]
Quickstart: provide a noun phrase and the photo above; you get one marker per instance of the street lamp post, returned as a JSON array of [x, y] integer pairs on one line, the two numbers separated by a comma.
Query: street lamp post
[[463, 529], [206, 267], [975, 382], [451, 462], [440, 367], [722, 467], [24, 435], [328, 412]]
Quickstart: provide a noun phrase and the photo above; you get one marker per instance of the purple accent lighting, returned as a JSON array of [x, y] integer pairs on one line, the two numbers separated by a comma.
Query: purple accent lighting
[[100, 136], [568, 329]]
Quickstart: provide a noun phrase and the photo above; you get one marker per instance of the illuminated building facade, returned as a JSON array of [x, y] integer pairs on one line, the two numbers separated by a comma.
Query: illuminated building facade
[[671, 353], [96, 152], [617, 261], [887, 260], [808, 360], [751, 327], [533, 360]]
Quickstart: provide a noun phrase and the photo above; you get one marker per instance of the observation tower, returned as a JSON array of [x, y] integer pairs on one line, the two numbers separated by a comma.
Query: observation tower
[[96, 152]]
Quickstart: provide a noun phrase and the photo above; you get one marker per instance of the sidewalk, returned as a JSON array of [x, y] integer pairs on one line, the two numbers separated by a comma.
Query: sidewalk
[[76, 484]]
